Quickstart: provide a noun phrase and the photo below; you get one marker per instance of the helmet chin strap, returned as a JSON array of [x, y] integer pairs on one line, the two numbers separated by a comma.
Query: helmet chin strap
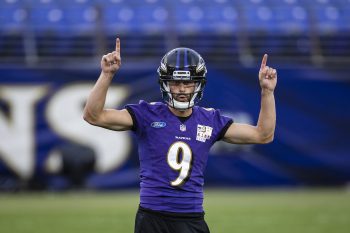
[[182, 106]]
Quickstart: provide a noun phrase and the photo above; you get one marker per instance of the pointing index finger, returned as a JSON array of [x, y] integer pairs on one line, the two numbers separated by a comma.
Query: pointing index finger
[[263, 62], [117, 46]]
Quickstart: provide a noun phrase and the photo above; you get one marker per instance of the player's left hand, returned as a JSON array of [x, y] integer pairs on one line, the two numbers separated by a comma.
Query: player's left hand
[[267, 76]]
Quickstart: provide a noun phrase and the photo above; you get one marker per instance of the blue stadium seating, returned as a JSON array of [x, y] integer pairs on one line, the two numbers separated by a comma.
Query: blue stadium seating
[[281, 26], [330, 18], [48, 17], [181, 16], [13, 18]]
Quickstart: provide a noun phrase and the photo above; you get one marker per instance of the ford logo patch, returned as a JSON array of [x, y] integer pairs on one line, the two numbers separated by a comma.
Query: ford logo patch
[[158, 124]]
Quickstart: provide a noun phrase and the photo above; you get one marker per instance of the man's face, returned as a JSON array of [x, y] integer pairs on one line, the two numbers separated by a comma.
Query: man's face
[[182, 90]]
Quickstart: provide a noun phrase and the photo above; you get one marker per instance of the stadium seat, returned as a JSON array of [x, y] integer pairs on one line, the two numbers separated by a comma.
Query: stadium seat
[[81, 19], [330, 18], [258, 18], [13, 18], [221, 18], [117, 18], [48, 18]]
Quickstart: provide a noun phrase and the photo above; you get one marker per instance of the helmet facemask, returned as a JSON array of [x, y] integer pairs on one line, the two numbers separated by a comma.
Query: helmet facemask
[[182, 65], [170, 97]]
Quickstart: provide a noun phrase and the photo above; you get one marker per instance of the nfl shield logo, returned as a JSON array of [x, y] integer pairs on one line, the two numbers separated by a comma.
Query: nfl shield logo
[[183, 127]]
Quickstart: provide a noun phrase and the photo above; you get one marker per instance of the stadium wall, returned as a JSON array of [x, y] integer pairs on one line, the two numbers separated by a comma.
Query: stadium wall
[[45, 144]]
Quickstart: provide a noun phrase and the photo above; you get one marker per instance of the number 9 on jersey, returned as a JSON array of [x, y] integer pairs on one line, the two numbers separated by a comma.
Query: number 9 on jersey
[[184, 166]]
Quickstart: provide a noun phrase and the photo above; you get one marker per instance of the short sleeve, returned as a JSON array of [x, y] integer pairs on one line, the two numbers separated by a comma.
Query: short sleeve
[[222, 123], [137, 113]]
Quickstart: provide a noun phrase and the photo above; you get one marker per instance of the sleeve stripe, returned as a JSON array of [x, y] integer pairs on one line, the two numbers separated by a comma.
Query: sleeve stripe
[[223, 131], [134, 121]]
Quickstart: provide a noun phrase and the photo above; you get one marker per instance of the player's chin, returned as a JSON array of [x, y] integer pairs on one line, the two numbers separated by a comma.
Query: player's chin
[[182, 98]]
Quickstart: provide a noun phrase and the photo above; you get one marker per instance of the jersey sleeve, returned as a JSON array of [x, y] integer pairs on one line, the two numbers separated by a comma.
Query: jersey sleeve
[[222, 123], [137, 113]]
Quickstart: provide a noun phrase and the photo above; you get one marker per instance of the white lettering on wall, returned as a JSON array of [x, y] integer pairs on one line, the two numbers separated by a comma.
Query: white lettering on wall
[[17, 131], [65, 115]]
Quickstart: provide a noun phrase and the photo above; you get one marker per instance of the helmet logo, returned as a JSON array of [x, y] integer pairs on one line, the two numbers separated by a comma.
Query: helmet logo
[[163, 67], [181, 74], [200, 67]]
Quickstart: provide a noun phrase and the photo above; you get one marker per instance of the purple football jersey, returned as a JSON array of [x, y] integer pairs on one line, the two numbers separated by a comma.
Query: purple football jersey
[[173, 153]]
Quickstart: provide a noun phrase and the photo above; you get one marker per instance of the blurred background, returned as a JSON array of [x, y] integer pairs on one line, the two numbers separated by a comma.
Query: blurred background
[[50, 55]]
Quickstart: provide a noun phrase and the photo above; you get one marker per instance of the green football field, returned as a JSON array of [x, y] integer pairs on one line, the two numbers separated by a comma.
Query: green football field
[[243, 211]]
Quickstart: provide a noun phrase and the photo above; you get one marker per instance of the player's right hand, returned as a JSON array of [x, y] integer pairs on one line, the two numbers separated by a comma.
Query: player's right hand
[[111, 62]]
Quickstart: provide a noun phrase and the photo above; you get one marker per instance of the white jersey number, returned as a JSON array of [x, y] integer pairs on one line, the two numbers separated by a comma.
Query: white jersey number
[[177, 150]]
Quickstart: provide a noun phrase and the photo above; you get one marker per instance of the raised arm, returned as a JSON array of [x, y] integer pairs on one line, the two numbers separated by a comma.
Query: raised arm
[[263, 132], [94, 111]]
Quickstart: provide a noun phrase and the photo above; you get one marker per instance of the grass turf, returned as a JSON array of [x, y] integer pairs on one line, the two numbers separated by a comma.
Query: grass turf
[[241, 211]]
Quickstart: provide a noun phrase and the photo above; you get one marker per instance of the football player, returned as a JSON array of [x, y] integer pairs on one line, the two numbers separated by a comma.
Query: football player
[[175, 136]]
